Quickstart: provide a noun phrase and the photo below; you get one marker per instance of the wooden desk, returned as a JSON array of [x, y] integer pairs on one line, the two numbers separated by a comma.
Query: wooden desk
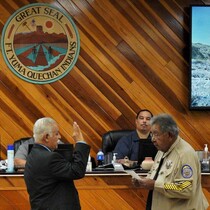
[[97, 190]]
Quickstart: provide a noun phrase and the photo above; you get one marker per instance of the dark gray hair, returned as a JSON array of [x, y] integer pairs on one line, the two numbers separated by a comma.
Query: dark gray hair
[[166, 123], [43, 126]]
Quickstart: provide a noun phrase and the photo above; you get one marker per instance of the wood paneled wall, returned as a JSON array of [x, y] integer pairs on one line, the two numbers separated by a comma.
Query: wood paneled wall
[[134, 55]]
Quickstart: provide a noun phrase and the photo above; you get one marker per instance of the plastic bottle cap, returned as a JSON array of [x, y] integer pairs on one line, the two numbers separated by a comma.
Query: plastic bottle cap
[[10, 147]]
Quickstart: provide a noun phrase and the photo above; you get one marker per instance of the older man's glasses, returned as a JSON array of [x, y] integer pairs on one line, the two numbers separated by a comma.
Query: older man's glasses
[[156, 134]]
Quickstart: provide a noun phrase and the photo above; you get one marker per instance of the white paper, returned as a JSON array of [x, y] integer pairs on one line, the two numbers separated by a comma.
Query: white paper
[[133, 174], [118, 167]]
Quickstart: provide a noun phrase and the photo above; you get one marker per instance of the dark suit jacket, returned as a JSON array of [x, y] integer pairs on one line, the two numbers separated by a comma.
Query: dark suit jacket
[[49, 178]]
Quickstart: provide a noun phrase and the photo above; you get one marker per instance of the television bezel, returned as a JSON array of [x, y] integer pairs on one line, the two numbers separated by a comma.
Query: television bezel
[[191, 106]]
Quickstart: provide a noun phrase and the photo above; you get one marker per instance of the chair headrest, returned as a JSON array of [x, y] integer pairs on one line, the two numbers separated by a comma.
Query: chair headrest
[[110, 139]]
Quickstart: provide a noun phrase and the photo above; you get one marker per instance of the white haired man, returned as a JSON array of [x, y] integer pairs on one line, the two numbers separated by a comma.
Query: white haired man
[[49, 177]]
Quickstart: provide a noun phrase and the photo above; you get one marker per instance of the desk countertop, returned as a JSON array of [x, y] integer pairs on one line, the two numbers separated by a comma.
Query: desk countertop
[[93, 173]]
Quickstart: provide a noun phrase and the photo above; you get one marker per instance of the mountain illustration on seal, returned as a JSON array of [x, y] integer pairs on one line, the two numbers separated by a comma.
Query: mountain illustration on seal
[[39, 50]]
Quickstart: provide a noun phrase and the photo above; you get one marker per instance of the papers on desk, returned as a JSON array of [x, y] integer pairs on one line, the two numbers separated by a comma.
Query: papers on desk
[[133, 174], [118, 167]]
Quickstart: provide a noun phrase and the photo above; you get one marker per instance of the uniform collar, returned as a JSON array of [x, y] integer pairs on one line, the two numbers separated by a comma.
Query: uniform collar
[[172, 146]]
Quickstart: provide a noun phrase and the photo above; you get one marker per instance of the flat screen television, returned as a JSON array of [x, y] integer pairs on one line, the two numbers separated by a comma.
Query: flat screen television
[[200, 58]]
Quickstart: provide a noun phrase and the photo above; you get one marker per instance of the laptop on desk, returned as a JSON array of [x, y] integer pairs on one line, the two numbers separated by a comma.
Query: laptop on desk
[[66, 150], [146, 149]]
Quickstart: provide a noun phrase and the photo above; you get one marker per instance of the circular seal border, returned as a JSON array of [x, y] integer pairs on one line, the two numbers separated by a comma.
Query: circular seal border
[[186, 171], [67, 16]]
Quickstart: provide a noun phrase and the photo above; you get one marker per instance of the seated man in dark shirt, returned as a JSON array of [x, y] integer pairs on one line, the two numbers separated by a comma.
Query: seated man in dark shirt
[[133, 148]]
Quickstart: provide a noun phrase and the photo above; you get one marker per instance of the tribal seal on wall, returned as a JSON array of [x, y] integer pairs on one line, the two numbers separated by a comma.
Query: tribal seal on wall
[[40, 43]]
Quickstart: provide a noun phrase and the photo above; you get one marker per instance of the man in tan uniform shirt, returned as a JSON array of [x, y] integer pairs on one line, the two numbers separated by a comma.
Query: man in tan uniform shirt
[[174, 180]]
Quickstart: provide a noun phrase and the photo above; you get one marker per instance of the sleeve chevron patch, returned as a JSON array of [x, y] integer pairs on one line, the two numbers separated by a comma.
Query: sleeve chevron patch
[[177, 186]]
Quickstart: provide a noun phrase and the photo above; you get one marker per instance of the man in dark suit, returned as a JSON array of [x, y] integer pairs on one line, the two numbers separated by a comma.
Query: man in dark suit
[[48, 175]]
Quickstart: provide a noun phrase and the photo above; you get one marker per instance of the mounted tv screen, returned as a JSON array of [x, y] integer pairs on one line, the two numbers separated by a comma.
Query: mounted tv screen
[[200, 58]]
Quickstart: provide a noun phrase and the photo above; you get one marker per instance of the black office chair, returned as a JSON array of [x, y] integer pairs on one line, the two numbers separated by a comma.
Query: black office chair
[[18, 142], [110, 139]]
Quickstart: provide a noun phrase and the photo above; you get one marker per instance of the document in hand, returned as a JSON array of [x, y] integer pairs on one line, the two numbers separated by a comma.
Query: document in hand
[[133, 174]]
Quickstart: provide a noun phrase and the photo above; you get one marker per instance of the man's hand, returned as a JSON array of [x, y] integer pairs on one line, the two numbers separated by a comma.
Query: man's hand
[[77, 134], [127, 162], [144, 183]]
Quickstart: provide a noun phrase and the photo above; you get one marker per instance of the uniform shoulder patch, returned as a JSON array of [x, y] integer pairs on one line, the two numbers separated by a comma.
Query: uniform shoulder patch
[[186, 171]]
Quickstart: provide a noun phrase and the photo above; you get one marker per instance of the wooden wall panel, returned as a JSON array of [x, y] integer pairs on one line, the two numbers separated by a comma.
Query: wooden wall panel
[[134, 55]]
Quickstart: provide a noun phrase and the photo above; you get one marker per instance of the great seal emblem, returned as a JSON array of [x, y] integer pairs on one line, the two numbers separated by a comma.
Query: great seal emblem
[[40, 43]]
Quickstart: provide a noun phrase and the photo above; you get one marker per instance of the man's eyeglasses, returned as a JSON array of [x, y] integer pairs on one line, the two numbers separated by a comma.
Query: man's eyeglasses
[[156, 134]]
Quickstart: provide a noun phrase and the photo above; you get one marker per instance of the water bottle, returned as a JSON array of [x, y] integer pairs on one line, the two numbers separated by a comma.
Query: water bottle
[[10, 158], [100, 157]]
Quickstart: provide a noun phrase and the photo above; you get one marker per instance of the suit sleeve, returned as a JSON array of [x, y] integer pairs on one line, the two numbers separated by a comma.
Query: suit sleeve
[[62, 169]]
